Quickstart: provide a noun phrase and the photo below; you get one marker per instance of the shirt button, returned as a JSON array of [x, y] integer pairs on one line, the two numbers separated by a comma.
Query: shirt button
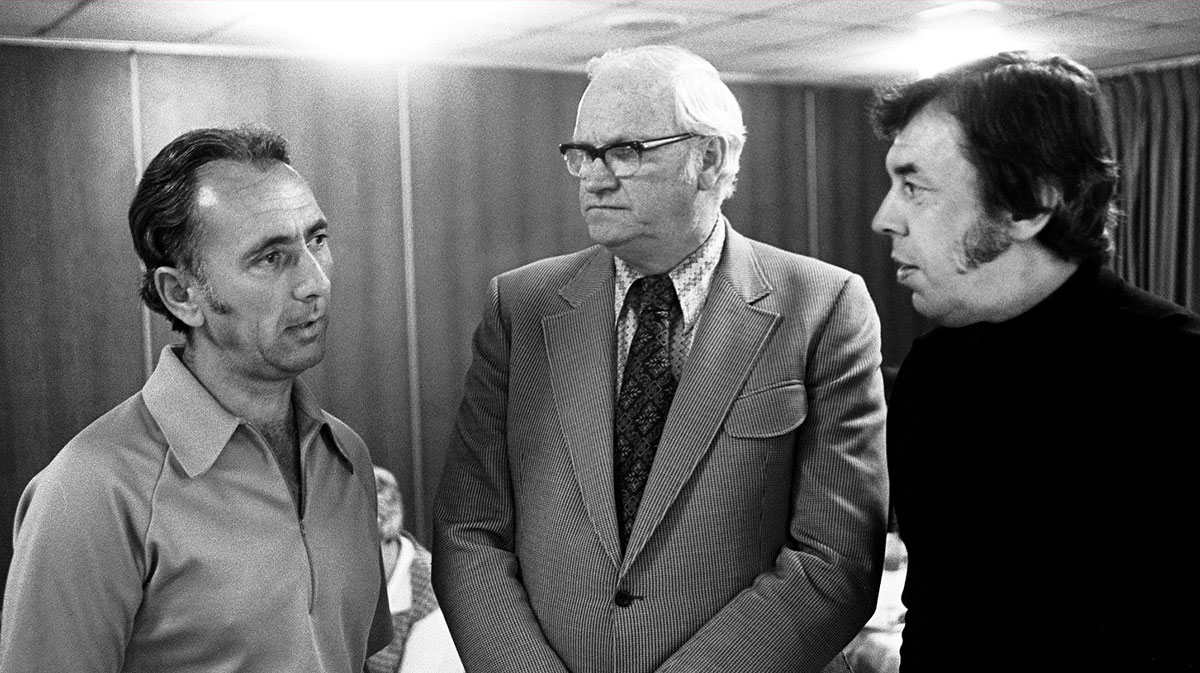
[[623, 599]]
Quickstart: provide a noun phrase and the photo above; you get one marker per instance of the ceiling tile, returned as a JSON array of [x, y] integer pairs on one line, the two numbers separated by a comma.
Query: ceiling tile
[[818, 41], [555, 52], [741, 35], [857, 12], [24, 18], [1151, 11], [1074, 28], [151, 20], [1051, 7], [1183, 38], [724, 7]]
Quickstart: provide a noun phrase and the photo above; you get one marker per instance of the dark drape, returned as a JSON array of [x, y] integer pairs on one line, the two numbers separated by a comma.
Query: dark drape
[[1156, 120]]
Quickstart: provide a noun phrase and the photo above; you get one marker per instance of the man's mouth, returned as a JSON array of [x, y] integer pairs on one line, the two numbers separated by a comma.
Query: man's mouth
[[308, 325]]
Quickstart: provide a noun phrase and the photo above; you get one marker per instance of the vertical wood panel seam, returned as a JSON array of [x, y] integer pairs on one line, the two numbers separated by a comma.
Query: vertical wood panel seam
[[135, 119], [810, 141], [404, 121]]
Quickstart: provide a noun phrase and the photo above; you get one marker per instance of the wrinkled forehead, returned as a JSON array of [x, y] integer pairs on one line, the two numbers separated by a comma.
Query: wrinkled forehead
[[625, 104], [932, 135], [240, 204]]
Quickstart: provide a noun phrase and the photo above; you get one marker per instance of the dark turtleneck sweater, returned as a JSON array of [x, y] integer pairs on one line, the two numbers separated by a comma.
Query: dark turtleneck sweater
[[1043, 475]]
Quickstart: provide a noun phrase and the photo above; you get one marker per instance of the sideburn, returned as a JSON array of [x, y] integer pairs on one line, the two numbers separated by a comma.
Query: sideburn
[[987, 239]]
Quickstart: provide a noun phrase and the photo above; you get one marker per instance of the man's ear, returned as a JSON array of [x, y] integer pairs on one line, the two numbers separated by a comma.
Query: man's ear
[[712, 160], [180, 292], [1051, 198]]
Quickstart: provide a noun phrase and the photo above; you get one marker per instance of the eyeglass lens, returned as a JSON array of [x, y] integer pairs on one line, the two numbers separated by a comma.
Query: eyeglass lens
[[622, 161]]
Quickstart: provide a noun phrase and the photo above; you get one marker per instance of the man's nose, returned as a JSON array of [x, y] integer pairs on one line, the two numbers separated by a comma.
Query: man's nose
[[595, 176], [887, 220], [313, 274]]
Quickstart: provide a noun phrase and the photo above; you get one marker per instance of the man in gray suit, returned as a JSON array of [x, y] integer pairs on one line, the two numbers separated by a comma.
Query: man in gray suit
[[669, 455]]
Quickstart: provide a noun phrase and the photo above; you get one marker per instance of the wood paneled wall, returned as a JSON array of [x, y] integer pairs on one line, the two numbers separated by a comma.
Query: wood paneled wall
[[70, 324], [488, 193]]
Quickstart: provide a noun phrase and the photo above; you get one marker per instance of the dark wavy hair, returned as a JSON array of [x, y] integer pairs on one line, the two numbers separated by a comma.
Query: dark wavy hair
[[1029, 123], [162, 218]]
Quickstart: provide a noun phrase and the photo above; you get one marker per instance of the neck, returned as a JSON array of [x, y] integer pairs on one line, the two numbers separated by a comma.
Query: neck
[[666, 255], [1023, 280], [264, 403]]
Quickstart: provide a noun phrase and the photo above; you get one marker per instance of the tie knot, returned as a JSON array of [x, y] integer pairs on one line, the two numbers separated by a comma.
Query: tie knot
[[658, 294]]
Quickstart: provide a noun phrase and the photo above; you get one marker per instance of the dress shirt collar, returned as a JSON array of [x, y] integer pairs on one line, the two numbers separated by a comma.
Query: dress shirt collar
[[197, 428], [691, 277]]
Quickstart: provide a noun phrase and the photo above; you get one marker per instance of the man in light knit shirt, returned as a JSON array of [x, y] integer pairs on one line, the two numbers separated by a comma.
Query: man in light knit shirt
[[219, 519]]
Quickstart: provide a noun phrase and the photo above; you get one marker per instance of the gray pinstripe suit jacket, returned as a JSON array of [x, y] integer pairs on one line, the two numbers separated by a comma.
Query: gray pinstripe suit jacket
[[760, 535]]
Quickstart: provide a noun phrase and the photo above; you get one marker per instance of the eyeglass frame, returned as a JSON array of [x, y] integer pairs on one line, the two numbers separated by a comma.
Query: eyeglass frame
[[601, 153]]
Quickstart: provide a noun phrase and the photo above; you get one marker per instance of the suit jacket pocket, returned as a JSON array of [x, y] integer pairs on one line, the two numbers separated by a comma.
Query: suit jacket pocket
[[768, 412]]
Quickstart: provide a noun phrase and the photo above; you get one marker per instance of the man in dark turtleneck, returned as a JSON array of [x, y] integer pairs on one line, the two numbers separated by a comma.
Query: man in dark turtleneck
[[1040, 440]]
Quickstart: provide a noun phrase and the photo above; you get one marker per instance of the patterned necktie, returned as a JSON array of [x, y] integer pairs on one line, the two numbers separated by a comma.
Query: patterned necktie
[[647, 388]]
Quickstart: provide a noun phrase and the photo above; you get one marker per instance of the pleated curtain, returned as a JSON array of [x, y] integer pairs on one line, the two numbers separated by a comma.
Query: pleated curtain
[[1156, 115]]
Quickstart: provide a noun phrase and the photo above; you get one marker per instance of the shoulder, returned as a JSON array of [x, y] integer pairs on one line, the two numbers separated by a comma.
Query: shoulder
[[523, 296], [785, 261], [1154, 338], [124, 447], [109, 469], [796, 284], [793, 272], [1135, 325], [1144, 310], [551, 271]]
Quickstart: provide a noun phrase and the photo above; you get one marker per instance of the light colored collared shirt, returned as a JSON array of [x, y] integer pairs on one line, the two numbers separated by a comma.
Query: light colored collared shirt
[[163, 538], [691, 278]]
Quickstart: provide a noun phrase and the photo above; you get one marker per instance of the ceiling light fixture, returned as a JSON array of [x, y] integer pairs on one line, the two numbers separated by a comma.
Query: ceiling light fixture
[[369, 29], [959, 8], [935, 51], [644, 22]]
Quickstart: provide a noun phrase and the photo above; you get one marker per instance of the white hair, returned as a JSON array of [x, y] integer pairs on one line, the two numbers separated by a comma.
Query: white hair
[[704, 105]]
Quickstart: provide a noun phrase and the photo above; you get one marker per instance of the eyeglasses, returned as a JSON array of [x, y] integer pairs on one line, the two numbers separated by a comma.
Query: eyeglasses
[[623, 158]]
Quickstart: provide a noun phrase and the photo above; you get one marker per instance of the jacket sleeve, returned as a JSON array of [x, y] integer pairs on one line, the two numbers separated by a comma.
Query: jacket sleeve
[[798, 615], [476, 573]]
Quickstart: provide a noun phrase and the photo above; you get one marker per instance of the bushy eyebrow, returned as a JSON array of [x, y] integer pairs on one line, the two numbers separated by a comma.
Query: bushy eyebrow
[[316, 226]]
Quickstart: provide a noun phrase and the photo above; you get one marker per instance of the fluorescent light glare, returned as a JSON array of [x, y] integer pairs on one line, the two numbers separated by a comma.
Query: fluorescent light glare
[[959, 8], [372, 29], [935, 51]]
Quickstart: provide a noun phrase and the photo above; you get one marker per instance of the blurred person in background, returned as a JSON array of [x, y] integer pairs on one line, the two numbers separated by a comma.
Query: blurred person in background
[[421, 642]]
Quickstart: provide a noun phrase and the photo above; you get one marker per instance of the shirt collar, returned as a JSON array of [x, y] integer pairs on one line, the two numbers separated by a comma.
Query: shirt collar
[[312, 419], [197, 428], [691, 277]]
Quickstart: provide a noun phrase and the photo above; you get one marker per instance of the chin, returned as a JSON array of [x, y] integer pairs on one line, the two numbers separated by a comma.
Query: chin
[[604, 226], [945, 316], [930, 312], [298, 362], [313, 360]]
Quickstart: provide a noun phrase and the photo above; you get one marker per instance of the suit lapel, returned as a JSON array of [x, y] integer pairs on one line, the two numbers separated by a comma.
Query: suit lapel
[[579, 345], [731, 335]]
